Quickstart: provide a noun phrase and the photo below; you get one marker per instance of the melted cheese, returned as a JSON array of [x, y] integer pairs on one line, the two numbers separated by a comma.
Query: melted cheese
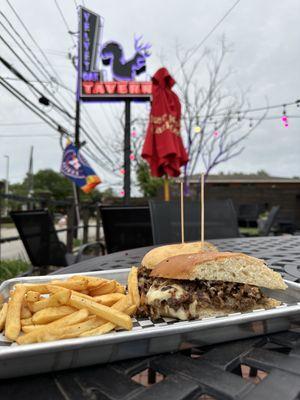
[[158, 294]]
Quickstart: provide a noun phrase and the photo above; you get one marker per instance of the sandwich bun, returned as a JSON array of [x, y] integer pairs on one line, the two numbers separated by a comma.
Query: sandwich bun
[[158, 254], [218, 266]]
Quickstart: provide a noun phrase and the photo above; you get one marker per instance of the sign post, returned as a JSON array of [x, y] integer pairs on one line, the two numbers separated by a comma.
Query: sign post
[[127, 151], [116, 80]]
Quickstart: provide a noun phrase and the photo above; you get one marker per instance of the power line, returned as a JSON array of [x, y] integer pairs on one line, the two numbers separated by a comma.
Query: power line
[[20, 76], [34, 59], [32, 38], [20, 123], [27, 135], [64, 20], [211, 31]]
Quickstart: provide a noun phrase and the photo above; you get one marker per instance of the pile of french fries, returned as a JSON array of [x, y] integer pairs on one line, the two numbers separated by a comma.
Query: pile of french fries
[[77, 307]]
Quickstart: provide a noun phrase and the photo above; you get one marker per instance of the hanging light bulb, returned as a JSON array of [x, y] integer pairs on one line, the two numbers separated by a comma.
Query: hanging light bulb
[[197, 128], [133, 132], [284, 118], [216, 132]]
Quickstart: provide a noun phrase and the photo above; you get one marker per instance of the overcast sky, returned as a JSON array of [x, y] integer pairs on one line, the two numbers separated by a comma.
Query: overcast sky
[[265, 58]]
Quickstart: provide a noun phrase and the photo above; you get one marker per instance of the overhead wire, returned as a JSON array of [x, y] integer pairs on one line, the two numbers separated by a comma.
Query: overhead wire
[[211, 31], [64, 20]]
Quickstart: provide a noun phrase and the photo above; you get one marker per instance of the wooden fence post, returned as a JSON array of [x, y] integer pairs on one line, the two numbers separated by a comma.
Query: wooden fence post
[[98, 217], [85, 217], [70, 227]]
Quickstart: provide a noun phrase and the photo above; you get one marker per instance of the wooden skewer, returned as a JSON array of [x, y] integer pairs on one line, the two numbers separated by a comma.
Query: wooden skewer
[[202, 208], [182, 212]]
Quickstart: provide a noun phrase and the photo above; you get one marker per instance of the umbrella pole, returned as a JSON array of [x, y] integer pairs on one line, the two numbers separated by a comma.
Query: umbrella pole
[[202, 208], [166, 189], [182, 211]]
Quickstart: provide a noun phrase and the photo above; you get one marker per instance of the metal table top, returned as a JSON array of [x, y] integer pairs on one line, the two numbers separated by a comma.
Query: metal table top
[[265, 367]]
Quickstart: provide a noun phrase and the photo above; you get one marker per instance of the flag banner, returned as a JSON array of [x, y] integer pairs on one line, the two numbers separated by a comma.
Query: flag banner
[[76, 168]]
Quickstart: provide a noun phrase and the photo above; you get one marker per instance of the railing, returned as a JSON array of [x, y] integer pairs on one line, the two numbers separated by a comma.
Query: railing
[[86, 211]]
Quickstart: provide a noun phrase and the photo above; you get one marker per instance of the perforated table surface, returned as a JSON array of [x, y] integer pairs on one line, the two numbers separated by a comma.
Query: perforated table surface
[[265, 367]]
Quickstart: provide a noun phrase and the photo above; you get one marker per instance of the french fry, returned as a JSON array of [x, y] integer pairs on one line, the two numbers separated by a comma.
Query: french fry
[[51, 314], [92, 280], [59, 298], [120, 305], [85, 291], [26, 321], [131, 309], [120, 288], [32, 296], [133, 288], [71, 319], [36, 287], [29, 328], [3, 313], [13, 317], [108, 299], [104, 312], [34, 334], [25, 312], [103, 288], [72, 284], [55, 289]]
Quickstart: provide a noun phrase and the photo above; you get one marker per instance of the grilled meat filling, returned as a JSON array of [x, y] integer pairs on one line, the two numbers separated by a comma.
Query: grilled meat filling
[[186, 296]]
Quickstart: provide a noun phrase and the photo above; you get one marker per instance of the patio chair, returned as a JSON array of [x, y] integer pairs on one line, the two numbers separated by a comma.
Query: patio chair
[[248, 214], [126, 227], [220, 220], [269, 223], [40, 239]]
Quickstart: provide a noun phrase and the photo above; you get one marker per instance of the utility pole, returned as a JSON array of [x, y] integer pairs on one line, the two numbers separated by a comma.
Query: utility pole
[[77, 144], [127, 151], [6, 184], [30, 177]]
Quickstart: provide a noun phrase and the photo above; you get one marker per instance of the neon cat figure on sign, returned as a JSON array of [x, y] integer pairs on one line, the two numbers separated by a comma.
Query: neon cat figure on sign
[[112, 54]]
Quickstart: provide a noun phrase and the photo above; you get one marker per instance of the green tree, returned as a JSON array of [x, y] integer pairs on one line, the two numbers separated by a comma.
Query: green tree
[[148, 184], [52, 182]]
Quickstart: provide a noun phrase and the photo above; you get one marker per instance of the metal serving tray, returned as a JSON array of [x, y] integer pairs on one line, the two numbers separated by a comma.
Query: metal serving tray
[[146, 338]]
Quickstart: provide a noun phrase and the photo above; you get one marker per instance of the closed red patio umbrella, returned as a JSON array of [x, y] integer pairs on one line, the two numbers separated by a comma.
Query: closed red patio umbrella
[[163, 148]]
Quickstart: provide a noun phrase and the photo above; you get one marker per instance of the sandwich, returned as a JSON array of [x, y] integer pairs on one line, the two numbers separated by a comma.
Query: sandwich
[[158, 254], [193, 286]]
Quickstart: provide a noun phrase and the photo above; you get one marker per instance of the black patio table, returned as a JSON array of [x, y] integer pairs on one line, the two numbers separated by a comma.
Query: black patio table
[[265, 367]]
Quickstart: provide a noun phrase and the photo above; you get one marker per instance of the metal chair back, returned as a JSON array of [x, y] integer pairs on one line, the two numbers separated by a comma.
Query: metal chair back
[[220, 220], [126, 227], [38, 234], [270, 221]]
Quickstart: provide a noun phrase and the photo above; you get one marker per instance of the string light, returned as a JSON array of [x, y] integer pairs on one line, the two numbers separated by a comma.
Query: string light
[[284, 118], [122, 193], [197, 128], [132, 158], [216, 132], [122, 171], [133, 133]]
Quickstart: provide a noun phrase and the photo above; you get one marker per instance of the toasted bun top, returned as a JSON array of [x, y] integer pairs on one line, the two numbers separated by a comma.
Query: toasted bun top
[[226, 267], [155, 256]]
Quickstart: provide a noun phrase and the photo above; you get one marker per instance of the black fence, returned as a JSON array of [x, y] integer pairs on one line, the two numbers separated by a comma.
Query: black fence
[[56, 208]]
